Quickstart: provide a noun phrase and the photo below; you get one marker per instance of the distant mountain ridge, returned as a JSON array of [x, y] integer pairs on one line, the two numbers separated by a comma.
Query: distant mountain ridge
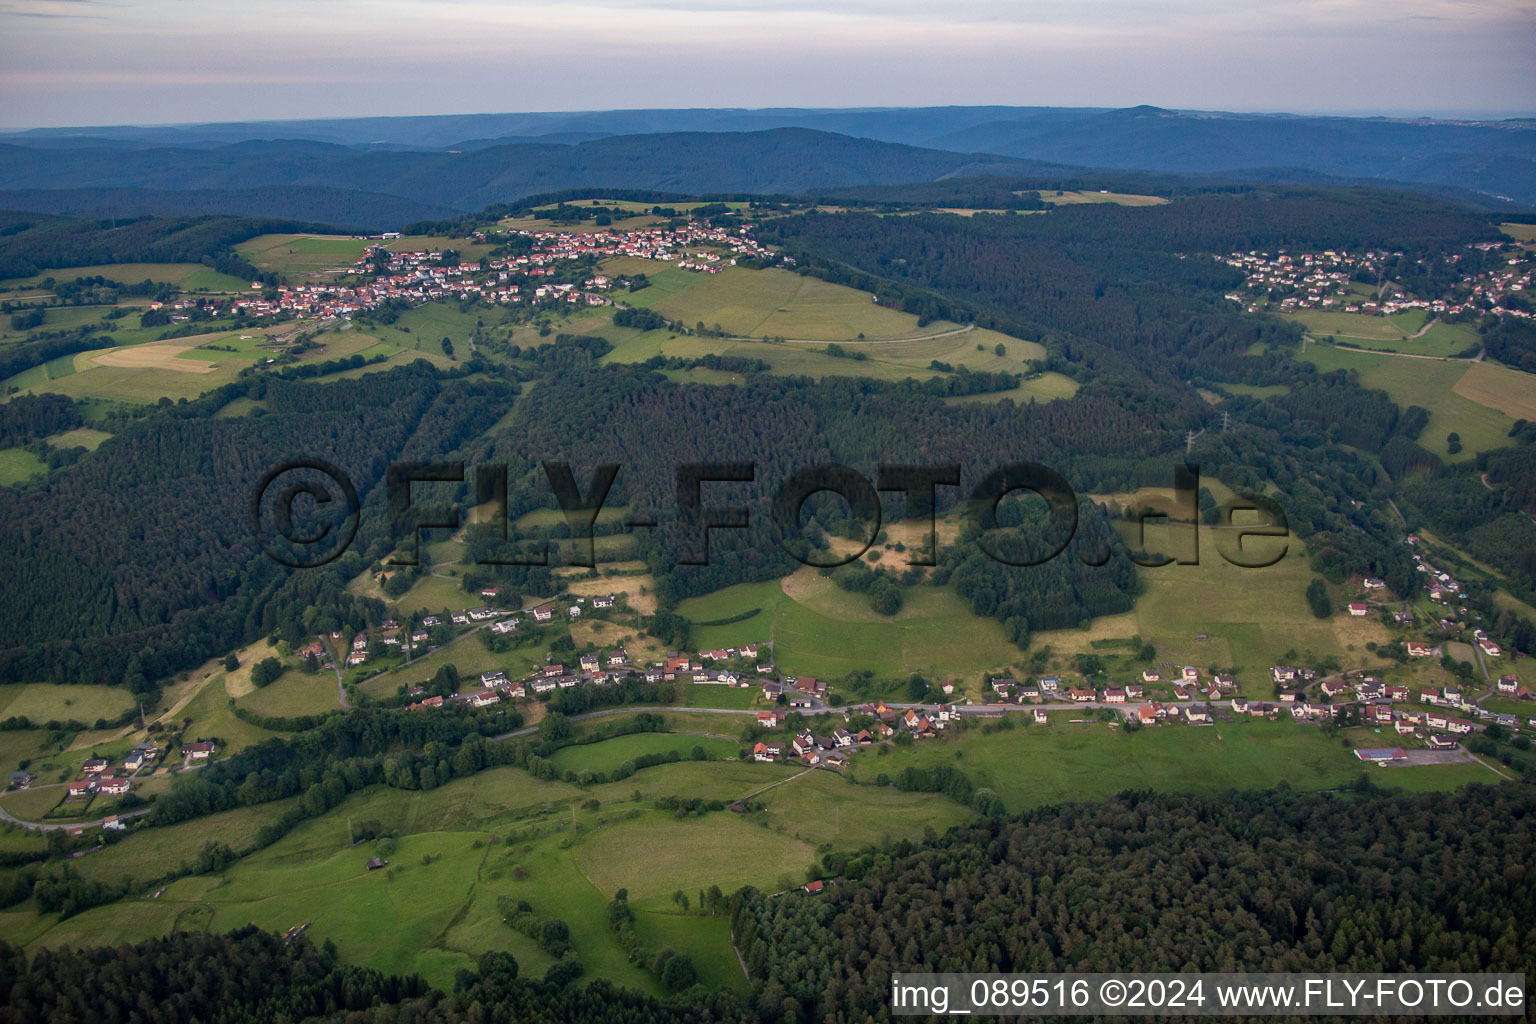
[[781, 161], [341, 207], [387, 171]]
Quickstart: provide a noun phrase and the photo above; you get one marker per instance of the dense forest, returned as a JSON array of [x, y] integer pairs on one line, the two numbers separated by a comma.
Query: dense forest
[[781, 426], [31, 243], [1354, 881], [1242, 882], [1108, 286], [141, 560]]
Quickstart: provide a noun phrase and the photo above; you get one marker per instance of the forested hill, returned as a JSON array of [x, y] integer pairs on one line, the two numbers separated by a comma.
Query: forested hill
[[34, 242], [1490, 157], [1358, 881], [787, 160], [141, 560], [348, 209], [1138, 282], [1242, 882], [783, 426]]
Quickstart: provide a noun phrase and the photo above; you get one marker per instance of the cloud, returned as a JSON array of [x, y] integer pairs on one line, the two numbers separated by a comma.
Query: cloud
[[166, 60]]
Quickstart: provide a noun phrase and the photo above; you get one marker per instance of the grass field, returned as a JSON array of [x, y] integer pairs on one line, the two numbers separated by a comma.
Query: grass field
[[295, 692], [1249, 617], [1520, 232], [606, 755], [421, 329], [211, 716], [434, 593], [1433, 384], [638, 590], [1258, 391], [1071, 198], [1498, 387], [753, 304], [690, 854], [1398, 333], [1044, 388], [776, 303], [821, 631], [820, 809], [302, 256], [42, 702], [1037, 765], [730, 698], [145, 372], [34, 803], [500, 832], [152, 852], [187, 276], [17, 466], [55, 318], [316, 256], [84, 437]]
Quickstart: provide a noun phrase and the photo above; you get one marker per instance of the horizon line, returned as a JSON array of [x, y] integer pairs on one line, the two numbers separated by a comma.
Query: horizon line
[[1405, 116]]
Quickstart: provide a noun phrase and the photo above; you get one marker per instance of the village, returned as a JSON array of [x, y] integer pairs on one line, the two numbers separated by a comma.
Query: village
[[1186, 696], [101, 779], [803, 720], [1323, 280], [524, 279]]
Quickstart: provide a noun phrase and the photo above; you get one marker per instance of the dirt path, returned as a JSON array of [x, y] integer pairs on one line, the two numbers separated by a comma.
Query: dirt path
[[771, 785], [1406, 355], [869, 341]]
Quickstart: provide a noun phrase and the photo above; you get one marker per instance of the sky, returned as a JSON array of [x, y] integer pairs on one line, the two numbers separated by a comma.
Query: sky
[[101, 62]]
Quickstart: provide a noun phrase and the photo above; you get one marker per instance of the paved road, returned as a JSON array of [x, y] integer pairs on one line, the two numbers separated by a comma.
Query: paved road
[[42, 826], [341, 689], [414, 658], [46, 826]]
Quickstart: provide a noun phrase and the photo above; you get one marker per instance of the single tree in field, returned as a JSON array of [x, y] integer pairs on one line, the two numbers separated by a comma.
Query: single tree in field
[[1317, 597]]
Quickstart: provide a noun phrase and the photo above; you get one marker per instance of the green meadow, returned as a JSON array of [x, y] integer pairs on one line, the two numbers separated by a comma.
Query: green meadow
[[84, 437], [212, 715], [42, 702], [294, 693], [187, 276], [142, 371], [500, 833], [826, 632], [606, 755], [458, 848], [315, 256], [1213, 613], [1432, 384], [750, 305], [1031, 766], [17, 466], [301, 256], [1402, 332]]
